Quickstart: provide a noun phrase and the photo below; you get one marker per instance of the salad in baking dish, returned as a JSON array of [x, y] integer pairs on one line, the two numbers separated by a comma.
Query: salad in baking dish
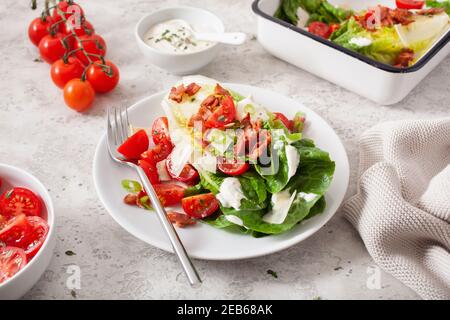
[[225, 160], [398, 36]]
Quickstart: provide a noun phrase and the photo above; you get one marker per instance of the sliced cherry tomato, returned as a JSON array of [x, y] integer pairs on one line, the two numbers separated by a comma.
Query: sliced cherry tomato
[[16, 232], [160, 130], [52, 48], [223, 115], [19, 201], [36, 236], [12, 260], [320, 29], [39, 28], [232, 168], [150, 170], [287, 123], [409, 4], [200, 206], [103, 79], [85, 28], [334, 27], [135, 145], [169, 194], [62, 71], [188, 175], [94, 45], [79, 94], [159, 152]]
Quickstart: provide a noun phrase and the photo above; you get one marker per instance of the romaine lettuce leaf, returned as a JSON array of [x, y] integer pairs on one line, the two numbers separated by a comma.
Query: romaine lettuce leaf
[[439, 4]]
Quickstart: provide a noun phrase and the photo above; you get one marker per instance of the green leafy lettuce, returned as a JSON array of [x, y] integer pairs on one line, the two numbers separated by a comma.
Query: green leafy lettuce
[[439, 4], [318, 10]]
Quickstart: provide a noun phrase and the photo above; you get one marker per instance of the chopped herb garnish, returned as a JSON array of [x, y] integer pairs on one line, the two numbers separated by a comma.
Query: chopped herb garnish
[[73, 294], [165, 32], [70, 253], [272, 273]]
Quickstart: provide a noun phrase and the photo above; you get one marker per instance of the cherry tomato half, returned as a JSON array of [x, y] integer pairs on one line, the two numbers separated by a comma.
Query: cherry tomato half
[[62, 72], [409, 4], [79, 94], [19, 201], [103, 79], [135, 145], [51, 47], [160, 130], [12, 260], [150, 170], [287, 123], [38, 29], [169, 194], [37, 233], [200, 206], [232, 168], [222, 115], [159, 152], [93, 44], [16, 232], [188, 175], [320, 29]]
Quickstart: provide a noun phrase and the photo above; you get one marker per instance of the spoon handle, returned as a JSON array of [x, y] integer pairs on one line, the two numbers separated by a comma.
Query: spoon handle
[[228, 38]]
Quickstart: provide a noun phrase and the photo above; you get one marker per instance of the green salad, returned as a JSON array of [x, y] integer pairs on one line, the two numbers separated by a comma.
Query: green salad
[[397, 37], [227, 161]]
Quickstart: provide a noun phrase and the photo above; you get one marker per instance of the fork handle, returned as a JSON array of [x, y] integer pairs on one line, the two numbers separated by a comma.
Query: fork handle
[[177, 246]]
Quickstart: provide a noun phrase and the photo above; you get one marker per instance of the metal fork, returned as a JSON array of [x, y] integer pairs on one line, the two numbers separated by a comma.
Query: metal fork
[[118, 129]]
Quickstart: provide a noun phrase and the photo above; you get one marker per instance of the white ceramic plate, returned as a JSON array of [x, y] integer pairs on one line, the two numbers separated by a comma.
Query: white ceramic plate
[[203, 241]]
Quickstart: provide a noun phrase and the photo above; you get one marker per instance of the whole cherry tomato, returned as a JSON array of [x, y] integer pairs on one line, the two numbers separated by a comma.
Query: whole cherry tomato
[[52, 48], [103, 78], [85, 28], [79, 94], [39, 28], [68, 9], [64, 71], [93, 44]]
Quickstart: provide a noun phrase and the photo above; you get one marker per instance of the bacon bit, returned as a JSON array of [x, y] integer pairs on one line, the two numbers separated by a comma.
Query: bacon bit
[[430, 11], [401, 16], [180, 220], [176, 94], [130, 199], [211, 102], [263, 142], [221, 91], [384, 16], [192, 89], [404, 58]]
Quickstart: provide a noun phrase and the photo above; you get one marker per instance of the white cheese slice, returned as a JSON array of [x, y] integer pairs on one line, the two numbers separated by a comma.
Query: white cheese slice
[[293, 160], [281, 203], [235, 219], [248, 105], [303, 17], [361, 42], [230, 193], [162, 171]]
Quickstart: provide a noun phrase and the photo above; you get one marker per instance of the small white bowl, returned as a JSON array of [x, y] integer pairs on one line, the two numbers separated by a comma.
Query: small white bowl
[[20, 283], [179, 63]]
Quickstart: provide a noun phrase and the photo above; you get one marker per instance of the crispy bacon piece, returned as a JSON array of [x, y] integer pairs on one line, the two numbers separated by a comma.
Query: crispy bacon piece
[[401, 16], [221, 91], [130, 199], [180, 220], [404, 58], [192, 89], [210, 102], [176, 93], [430, 11]]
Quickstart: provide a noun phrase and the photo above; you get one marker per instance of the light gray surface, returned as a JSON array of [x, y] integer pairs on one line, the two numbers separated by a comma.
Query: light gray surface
[[40, 134]]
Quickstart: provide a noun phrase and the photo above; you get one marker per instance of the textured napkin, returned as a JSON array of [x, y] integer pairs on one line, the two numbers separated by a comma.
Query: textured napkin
[[402, 206]]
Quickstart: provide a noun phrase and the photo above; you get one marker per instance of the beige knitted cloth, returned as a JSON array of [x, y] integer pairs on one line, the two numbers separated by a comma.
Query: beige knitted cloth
[[402, 208]]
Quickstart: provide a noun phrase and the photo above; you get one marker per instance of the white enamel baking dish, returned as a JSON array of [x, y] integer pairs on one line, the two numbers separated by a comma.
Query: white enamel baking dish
[[374, 80]]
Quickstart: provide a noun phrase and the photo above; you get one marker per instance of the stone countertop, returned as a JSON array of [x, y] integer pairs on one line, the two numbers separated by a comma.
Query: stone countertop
[[40, 134]]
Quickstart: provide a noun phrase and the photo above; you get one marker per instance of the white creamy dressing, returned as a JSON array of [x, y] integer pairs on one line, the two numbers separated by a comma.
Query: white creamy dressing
[[175, 36], [248, 105], [360, 41], [281, 203], [230, 193], [293, 160]]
